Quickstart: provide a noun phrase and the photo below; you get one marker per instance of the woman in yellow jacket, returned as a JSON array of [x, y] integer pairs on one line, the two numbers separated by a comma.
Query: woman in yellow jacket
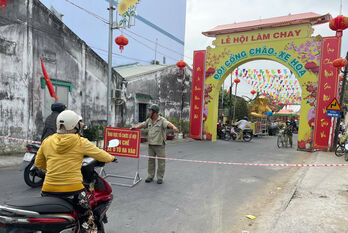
[[61, 155]]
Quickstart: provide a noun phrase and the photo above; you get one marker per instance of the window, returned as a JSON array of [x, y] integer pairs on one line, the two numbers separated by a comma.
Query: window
[[62, 90], [142, 112]]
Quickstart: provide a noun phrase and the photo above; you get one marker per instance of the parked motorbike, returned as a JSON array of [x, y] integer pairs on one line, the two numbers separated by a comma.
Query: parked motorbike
[[233, 133], [340, 148], [346, 150], [221, 129], [33, 176], [54, 215]]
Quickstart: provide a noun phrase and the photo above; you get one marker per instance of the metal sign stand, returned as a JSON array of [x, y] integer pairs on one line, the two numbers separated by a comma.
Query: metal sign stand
[[136, 179]]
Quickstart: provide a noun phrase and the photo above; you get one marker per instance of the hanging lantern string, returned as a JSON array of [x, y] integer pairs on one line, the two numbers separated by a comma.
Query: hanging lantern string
[[340, 7]]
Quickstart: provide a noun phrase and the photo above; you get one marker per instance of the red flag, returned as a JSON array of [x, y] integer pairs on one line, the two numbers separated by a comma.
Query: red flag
[[48, 82]]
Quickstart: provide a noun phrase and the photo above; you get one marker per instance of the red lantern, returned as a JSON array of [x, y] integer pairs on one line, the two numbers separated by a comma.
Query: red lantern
[[280, 104], [274, 102], [339, 24], [253, 92], [237, 80], [341, 78], [181, 64], [339, 62], [121, 41], [3, 4]]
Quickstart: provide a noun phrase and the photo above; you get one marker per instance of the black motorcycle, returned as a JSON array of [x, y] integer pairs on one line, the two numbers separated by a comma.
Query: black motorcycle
[[221, 130], [234, 131], [33, 176]]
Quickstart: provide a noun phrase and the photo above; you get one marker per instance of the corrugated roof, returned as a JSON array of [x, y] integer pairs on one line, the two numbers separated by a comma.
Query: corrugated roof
[[134, 70], [281, 21]]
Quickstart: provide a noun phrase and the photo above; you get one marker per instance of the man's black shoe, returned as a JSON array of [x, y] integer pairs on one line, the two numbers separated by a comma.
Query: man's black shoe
[[159, 181], [148, 180]]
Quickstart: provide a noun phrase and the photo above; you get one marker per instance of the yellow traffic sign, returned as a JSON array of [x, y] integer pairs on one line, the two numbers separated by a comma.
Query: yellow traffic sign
[[334, 105]]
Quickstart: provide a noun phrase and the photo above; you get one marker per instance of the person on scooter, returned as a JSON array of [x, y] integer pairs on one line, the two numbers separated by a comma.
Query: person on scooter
[[50, 122], [242, 124], [61, 155]]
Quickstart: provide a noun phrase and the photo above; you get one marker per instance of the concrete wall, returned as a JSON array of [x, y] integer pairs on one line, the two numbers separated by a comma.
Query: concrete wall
[[28, 32], [167, 89]]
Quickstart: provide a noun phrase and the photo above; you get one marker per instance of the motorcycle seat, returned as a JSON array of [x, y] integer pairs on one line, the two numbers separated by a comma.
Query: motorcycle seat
[[42, 205]]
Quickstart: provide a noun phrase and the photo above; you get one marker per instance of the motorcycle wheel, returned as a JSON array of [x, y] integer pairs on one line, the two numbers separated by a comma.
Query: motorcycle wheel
[[31, 178], [339, 151], [227, 136], [247, 137], [234, 137], [101, 228]]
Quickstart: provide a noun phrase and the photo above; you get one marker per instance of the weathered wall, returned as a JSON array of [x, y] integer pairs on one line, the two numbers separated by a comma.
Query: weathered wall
[[168, 90], [28, 32]]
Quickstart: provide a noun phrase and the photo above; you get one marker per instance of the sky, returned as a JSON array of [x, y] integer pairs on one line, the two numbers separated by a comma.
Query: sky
[[203, 15], [167, 14]]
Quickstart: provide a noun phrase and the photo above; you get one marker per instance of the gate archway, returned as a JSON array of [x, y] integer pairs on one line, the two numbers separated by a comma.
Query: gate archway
[[287, 40]]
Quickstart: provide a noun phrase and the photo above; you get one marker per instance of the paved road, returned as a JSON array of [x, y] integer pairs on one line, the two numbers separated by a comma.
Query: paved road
[[193, 198]]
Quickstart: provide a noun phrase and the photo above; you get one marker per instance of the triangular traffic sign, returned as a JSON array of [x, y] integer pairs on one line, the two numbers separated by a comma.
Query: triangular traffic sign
[[334, 105]]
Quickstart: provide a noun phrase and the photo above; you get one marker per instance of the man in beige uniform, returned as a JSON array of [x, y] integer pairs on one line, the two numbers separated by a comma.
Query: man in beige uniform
[[157, 136]]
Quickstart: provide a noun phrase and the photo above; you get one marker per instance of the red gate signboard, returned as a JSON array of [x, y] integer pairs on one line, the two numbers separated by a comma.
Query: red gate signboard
[[129, 142], [327, 90], [196, 117]]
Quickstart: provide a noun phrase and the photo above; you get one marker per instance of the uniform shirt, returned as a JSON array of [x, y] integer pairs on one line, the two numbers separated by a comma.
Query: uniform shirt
[[157, 130], [61, 156], [242, 124]]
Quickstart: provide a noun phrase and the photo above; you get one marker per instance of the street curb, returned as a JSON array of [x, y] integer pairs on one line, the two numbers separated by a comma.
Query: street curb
[[288, 197]]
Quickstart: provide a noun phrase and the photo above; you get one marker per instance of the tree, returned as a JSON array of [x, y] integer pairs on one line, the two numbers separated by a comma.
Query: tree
[[241, 105]]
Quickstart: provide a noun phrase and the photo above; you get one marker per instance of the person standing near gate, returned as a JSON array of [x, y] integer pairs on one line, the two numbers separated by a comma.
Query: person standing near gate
[[157, 126], [288, 133]]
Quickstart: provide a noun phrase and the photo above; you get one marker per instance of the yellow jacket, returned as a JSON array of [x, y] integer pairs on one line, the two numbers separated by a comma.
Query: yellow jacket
[[61, 156]]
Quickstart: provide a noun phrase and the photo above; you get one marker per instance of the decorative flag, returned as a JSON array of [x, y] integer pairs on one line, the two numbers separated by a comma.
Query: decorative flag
[[48, 82]]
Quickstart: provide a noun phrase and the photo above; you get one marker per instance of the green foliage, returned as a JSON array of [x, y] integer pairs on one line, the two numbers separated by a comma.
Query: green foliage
[[183, 126], [242, 108], [94, 133]]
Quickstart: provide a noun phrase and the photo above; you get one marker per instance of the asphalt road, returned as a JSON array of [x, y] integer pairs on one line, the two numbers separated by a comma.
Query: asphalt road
[[195, 197]]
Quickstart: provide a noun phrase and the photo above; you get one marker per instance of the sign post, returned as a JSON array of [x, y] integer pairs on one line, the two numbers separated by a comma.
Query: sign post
[[129, 147], [333, 111]]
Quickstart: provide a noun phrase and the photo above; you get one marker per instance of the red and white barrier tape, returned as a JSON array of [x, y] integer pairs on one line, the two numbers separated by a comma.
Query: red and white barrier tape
[[251, 164], [214, 162], [21, 140]]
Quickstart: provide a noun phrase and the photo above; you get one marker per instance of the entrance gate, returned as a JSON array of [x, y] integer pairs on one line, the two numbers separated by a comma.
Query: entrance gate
[[287, 40]]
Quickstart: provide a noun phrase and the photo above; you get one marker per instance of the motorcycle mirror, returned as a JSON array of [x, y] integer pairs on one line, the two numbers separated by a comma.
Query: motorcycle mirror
[[113, 143]]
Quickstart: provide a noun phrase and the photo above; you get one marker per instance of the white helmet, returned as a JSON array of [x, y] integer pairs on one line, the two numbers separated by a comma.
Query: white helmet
[[69, 119]]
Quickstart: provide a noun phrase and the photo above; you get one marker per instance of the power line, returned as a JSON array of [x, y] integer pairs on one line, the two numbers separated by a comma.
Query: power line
[[147, 46], [89, 12], [107, 22], [61, 36], [154, 42], [116, 54]]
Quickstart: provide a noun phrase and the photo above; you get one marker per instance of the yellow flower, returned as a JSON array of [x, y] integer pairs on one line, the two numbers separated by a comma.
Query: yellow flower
[[123, 7]]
